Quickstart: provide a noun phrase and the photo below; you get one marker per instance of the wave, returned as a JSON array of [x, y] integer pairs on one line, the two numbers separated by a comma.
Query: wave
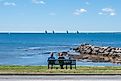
[[42, 48], [48, 52], [34, 48]]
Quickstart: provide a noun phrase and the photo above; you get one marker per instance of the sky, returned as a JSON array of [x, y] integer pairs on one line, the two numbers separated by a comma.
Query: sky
[[60, 15]]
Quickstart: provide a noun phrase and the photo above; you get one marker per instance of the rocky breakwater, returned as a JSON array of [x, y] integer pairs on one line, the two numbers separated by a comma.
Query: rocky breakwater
[[98, 54]]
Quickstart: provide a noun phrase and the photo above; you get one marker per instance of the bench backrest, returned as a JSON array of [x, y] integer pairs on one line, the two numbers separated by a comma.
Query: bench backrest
[[63, 61]]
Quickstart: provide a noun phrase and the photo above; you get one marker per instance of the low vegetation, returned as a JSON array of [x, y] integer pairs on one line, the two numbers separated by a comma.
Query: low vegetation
[[56, 70]]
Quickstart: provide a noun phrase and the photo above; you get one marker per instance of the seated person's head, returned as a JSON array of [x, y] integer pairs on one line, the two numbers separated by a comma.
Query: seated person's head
[[51, 54], [60, 54]]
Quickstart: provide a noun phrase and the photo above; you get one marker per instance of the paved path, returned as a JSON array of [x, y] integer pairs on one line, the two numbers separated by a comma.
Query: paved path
[[60, 78]]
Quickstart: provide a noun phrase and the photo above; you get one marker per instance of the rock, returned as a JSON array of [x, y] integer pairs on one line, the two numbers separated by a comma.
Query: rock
[[97, 53]]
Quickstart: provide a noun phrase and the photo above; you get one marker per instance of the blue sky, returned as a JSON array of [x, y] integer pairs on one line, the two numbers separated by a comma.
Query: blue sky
[[60, 15]]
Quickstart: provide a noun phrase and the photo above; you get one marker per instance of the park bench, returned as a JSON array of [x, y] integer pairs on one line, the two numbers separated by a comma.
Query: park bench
[[66, 62]]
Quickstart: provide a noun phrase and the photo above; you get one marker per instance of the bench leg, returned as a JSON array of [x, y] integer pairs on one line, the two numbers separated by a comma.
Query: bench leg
[[48, 66], [70, 66], [51, 66], [66, 66]]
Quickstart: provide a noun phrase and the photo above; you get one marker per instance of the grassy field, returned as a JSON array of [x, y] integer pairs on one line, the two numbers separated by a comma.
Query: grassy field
[[44, 70]]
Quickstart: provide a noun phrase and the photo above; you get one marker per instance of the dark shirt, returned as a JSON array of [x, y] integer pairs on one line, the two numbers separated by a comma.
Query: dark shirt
[[51, 58], [61, 60]]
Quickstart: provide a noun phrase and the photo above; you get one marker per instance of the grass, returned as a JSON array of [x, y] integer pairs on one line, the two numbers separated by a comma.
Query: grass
[[45, 70]]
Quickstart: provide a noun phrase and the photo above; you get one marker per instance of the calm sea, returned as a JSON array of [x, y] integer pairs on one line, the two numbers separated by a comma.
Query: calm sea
[[34, 48]]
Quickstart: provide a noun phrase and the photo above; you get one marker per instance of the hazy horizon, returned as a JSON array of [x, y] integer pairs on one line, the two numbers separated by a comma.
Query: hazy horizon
[[60, 31]]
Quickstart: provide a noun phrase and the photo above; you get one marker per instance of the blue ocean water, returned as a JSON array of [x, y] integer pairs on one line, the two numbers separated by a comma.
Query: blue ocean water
[[34, 48]]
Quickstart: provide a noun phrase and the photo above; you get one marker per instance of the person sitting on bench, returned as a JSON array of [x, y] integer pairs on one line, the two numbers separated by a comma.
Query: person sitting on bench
[[52, 58], [61, 60]]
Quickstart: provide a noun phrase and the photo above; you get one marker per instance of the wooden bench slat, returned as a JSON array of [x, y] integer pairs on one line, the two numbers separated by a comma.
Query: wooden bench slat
[[63, 61]]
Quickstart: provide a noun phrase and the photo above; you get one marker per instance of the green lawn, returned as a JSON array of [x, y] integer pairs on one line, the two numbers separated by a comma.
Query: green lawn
[[44, 70]]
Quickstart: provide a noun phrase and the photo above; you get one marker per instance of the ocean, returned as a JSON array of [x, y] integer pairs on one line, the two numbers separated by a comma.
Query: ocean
[[34, 48]]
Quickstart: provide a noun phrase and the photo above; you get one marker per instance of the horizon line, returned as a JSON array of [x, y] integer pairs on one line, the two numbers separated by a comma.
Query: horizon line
[[60, 31]]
